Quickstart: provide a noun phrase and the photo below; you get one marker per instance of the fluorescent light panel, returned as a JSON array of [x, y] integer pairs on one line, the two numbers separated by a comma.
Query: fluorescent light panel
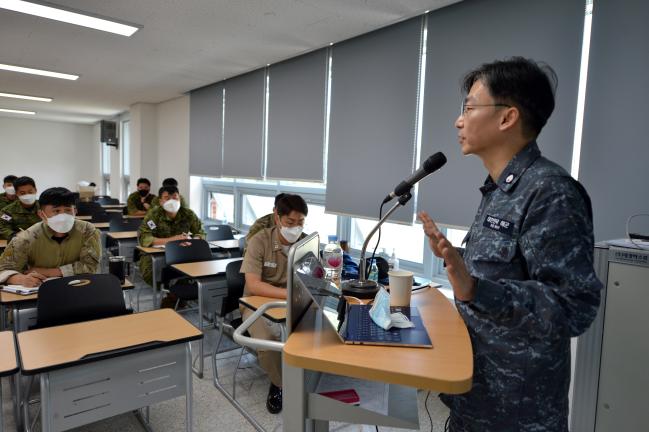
[[13, 111], [17, 96], [69, 17], [46, 73]]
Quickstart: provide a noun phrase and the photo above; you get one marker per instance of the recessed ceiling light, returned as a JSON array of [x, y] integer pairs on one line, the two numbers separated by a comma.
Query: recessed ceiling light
[[17, 96], [26, 70], [69, 16], [13, 111]]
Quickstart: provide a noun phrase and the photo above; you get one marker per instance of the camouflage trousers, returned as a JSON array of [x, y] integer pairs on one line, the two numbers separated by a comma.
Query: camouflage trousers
[[146, 269]]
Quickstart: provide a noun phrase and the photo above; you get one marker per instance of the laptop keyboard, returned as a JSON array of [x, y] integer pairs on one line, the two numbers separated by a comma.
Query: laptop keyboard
[[369, 331]]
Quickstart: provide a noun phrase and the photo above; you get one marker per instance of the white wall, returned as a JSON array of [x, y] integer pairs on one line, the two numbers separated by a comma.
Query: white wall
[[52, 153], [144, 152], [173, 143]]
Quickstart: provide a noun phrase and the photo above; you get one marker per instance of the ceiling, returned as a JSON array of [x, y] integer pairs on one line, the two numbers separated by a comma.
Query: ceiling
[[182, 45]]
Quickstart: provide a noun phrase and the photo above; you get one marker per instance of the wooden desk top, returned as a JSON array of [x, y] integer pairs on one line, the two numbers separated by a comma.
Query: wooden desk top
[[7, 298], [133, 216], [447, 367], [101, 225], [84, 218], [8, 362], [255, 302], [113, 206], [3, 244], [67, 345], [122, 235], [204, 268], [225, 244], [150, 250]]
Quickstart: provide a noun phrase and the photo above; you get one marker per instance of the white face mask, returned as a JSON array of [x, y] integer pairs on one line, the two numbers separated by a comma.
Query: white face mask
[[172, 206], [10, 190], [291, 234], [62, 223], [28, 199]]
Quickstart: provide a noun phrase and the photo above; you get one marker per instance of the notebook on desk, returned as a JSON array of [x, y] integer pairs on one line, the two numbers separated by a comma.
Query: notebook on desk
[[19, 289], [352, 322]]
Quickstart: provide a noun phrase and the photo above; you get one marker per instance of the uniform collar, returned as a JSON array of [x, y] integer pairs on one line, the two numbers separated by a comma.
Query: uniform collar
[[33, 209], [514, 169], [274, 239]]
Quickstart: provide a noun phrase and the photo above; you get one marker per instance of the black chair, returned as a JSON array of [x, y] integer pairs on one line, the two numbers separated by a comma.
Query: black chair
[[106, 200], [118, 223], [88, 208], [381, 264], [219, 232], [79, 298], [103, 216], [184, 251]]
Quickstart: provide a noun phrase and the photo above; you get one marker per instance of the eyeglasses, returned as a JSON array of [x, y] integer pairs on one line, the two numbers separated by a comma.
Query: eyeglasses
[[465, 107]]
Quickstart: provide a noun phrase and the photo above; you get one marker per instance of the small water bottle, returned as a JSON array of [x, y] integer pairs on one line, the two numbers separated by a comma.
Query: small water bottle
[[374, 272], [332, 257], [393, 261]]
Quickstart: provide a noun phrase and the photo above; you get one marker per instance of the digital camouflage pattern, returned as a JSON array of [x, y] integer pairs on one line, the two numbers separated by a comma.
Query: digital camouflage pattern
[[15, 217], [157, 224], [78, 253], [134, 202], [4, 200], [531, 249]]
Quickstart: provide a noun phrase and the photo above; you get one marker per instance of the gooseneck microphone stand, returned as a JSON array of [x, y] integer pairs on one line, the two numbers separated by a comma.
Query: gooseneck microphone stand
[[361, 287]]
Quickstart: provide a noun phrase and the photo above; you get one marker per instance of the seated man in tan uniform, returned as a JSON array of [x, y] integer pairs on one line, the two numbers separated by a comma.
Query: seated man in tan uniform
[[60, 245], [264, 265]]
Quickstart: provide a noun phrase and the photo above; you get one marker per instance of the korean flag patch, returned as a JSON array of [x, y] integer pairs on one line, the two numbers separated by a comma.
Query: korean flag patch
[[152, 224], [6, 217]]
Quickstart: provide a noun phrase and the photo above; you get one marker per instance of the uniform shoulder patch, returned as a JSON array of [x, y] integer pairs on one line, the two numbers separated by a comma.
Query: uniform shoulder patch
[[6, 217], [151, 224]]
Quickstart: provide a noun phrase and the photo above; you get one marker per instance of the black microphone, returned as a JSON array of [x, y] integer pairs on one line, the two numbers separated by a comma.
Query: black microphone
[[432, 164]]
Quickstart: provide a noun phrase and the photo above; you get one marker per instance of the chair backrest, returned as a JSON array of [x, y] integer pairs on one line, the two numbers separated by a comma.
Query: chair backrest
[[124, 224], [88, 208], [79, 298], [235, 281], [219, 232], [106, 200], [104, 216], [184, 251]]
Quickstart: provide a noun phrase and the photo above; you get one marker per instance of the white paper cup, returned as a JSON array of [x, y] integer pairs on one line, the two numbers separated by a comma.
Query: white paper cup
[[400, 287]]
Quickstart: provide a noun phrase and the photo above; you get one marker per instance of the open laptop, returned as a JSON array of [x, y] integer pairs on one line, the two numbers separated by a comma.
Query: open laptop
[[352, 322]]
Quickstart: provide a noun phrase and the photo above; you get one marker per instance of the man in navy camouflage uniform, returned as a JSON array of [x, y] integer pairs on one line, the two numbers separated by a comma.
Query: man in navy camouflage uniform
[[525, 283]]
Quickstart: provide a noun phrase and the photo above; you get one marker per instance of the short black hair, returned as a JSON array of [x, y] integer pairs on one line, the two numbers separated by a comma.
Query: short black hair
[[169, 189], [278, 197], [289, 202], [10, 179], [170, 181], [57, 196], [143, 180], [93, 184], [522, 83], [24, 181]]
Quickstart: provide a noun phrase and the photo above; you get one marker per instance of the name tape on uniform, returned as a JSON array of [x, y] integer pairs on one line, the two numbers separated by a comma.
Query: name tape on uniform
[[498, 224], [270, 264]]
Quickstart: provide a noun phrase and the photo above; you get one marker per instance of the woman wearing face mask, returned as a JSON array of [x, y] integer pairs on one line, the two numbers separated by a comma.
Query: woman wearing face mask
[[264, 265], [59, 245], [9, 194], [22, 213]]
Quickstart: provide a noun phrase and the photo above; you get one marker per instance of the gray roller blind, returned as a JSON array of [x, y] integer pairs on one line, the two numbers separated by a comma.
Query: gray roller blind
[[373, 116], [205, 131], [467, 34], [296, 117], [243, 125], [615, 151]]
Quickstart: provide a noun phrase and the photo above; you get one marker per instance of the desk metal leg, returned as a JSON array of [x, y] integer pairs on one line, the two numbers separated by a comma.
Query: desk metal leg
[[2, 420], [45, 403], [199, 371], [3, 317], [155, 260], [295, 399], [189, 395]]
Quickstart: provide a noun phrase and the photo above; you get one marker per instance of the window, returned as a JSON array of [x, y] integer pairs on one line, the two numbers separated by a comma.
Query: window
[[126, 159], [455, 236], [220, 206], [318, 220], [408, 241], [254, 207], [105, 168]]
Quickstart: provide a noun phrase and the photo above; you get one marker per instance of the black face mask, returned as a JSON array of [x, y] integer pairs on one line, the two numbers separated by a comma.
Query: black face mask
[[143, 193]]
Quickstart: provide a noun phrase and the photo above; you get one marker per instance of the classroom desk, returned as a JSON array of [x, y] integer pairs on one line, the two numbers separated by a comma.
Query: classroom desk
[[98, 369], [87, 218], [447, 367], [8, 363], [126, 242], [209, 298], [113, 206], [277, 315], [101, 225]]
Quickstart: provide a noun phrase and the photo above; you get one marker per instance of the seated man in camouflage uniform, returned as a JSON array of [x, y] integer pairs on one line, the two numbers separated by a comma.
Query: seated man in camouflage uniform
[[525, 284], [267, 221], [169, 182], [22, 213], [139, 202], [60, 245], [164, 223], [9, 194]]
